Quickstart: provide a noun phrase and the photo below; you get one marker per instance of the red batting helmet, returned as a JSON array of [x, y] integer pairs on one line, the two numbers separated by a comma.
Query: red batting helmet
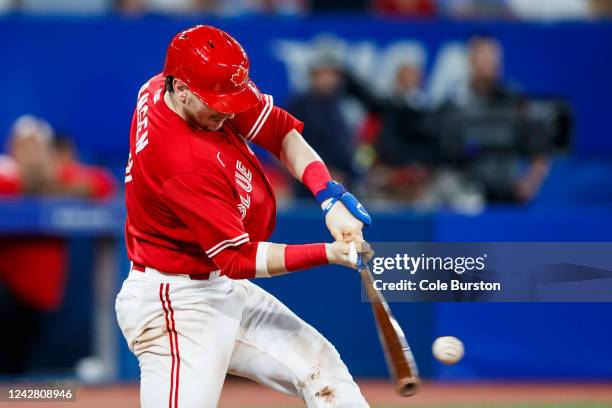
[[214, 67]]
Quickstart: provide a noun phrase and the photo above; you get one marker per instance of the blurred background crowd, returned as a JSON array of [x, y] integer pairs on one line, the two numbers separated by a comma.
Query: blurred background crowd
[[454, 9], [482, 140], [33, 273]]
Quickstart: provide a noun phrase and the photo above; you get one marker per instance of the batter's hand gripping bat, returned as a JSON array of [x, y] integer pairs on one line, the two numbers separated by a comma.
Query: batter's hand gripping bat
[[400, 360]]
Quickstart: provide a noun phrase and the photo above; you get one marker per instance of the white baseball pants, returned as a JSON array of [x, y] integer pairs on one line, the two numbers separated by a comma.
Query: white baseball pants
[[187, 334]]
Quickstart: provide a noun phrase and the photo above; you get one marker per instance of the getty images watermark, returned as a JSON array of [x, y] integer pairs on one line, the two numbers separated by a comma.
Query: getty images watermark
[[490, 272], [413, 264]]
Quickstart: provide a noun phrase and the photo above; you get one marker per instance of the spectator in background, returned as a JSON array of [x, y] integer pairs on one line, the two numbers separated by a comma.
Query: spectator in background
[[404, 138], [547, 10], [485, 84], [6, 6], [280, 7], [551, 9], [77, 179], [406, 8], [339, 5], [136, 7], [498, 170], [322, 108], [222, 7], [405, 147], [456, 9], [72, 7], [32, 272], [28, 169], [33, 268], [469, 9], [602, 8], [40, 164]]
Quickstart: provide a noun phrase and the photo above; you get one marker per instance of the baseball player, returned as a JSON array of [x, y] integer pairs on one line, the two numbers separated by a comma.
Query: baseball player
[[199, 212]]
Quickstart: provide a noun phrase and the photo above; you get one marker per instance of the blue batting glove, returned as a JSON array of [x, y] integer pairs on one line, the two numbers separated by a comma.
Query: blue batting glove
[[336, 192]]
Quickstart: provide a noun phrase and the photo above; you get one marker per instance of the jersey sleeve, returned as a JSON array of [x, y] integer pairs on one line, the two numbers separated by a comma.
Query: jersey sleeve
[[266, 125], [205, 204]]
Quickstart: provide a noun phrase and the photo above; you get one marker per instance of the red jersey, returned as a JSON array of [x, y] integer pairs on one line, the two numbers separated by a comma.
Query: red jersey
[[10, 177], [99, 180], [192, 193]]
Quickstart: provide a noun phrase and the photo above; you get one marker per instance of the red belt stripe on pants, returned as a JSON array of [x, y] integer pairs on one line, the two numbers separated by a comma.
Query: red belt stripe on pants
[[164, 297]]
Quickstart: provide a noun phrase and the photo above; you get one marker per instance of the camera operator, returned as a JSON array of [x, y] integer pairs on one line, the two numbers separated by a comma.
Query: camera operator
[[406, 149], [500, 149]]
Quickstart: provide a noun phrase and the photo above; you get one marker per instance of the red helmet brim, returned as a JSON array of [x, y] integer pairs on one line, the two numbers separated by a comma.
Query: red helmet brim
[[235, 102]]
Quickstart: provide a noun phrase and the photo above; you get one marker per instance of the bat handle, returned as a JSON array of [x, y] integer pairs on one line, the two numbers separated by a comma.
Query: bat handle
[[355, 257]]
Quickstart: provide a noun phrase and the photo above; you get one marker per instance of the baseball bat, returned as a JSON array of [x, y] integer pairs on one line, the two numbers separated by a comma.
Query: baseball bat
[[400, 361]]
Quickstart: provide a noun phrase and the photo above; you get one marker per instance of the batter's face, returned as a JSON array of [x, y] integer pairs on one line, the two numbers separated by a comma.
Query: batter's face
[[196, 112]]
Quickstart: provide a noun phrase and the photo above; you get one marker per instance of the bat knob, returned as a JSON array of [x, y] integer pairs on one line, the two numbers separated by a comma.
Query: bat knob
[[408, 387], [354, 257]]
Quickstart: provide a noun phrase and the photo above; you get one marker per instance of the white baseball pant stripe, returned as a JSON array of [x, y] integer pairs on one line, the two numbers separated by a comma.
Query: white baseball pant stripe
[[188, 334]]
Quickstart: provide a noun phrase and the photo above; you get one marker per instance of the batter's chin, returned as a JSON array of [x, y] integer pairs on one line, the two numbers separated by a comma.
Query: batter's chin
[[194, 122], [214, 128]]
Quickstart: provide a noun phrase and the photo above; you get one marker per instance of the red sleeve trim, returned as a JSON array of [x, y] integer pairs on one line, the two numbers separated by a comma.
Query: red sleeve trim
[[238, 263], [261, 119], [239, 240]]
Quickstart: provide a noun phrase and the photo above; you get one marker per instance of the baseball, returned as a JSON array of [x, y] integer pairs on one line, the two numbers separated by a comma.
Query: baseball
[[447, 349]]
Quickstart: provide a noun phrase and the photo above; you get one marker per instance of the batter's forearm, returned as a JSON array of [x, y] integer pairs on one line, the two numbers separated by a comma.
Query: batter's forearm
[[303, 162], [266, 259], [274, 258], [282, 259], [296, 154], [345, 219]]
